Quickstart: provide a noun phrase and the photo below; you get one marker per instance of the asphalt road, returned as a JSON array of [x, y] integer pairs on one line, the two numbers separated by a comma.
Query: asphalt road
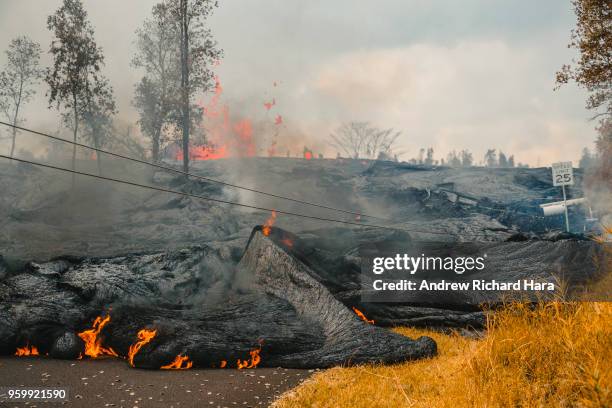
[[112, 383]]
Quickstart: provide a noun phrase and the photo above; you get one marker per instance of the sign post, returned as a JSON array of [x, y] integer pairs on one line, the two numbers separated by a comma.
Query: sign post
[[563, 175]]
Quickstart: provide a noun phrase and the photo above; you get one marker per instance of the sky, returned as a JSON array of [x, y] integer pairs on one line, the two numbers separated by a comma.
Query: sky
[[448, 74]]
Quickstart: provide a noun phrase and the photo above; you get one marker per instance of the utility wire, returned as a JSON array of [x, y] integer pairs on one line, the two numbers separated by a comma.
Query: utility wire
[[228, 202], [165, 190], [118, 155], [159, 166]]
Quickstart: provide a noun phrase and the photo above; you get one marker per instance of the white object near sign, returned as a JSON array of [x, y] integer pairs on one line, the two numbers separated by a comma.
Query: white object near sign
[[562, 174]]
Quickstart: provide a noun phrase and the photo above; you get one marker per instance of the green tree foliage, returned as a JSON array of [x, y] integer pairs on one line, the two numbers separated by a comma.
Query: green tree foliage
[[156, 95], [198, 53], [592, 38], [75, 79], [17, 80]]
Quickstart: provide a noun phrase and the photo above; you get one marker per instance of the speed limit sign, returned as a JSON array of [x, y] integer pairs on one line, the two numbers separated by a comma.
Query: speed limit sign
[[563, 174]]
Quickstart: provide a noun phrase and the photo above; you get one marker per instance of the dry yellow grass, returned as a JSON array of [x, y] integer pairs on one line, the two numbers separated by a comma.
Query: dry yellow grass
[[556, 354]]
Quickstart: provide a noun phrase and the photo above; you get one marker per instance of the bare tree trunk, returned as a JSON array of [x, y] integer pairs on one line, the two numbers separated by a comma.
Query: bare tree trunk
[[15, 119], [185, 83], [98, 157], [155, 146], [13, 143], [76, 129]]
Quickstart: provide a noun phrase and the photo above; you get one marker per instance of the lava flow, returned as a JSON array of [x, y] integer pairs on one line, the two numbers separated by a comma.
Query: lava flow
[[253, 362], [269, 105], [93, 344], [267, 227], [362, 316], [27, 350], [179, 363], [144, 337], [226, 136]]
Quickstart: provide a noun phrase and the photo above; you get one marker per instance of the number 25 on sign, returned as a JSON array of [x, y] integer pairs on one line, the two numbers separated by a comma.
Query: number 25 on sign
[[563, 175]]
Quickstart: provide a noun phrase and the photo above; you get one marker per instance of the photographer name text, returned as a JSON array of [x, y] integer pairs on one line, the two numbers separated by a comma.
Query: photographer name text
[[479, 284]]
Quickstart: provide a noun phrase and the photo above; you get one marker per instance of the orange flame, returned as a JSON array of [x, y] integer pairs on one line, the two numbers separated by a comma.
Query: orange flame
[[362, 316], [177, 364], [307, 154], [288, 242], [144, 337], [605, 234], [223, 364], [226, 137], [93, 344], [27, 350], [269, 105], [253, 362], [267, 227], [205, 153]]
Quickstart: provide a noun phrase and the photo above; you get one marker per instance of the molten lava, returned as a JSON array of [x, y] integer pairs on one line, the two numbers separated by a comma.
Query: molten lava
[[93, 344], [253, 362], [269, 105], [144, 337], [267, 227], [362, 316], [225, 136], [27, 350], [179, 363], [205, 153]]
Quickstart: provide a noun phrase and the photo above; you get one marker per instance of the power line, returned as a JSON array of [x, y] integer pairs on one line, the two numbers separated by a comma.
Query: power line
[[165, 190], [159, 166], [223, 201], [228, 202], [118, 155]]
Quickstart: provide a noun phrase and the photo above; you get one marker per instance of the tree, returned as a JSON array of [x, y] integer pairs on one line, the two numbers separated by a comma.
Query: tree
[[155, 96], [198, 51], [361, 140], [586, 160], [604, 149], [97, 110], [592, 37], [453, 160], [503, 161], [429, 160], [466, 158], [21, 73], [421, 158], [490, 158], [77, 62]]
